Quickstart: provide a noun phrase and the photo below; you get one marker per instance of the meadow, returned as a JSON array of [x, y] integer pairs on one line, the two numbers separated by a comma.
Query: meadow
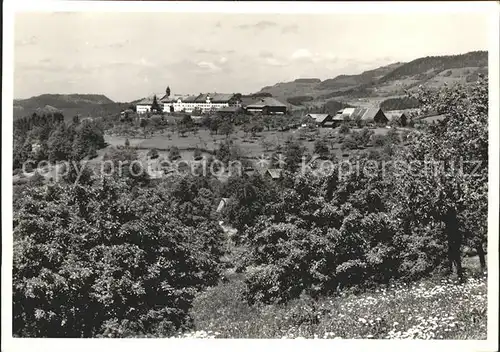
[[437, 308], [250, 146]]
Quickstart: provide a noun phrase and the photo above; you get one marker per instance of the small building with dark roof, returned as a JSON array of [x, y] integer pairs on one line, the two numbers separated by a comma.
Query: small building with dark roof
[[267, 106], [321, 119], [375, 115], [399, 116]]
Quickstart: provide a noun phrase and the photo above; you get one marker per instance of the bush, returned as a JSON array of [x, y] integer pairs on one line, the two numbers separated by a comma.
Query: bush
[[359, 253], [92, 153], [153, 153], [344, 129], [197, 154], [393, 136], [321, 148], [123, 264], [350, 143], [379, 140], [174, 153]]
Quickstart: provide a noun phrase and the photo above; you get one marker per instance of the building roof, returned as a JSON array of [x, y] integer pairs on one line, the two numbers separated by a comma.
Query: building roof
[[360, 113], [347, 111], [248, 100], [338, 117], [201, 98], [221, 97], [370, 113], [322, 118], [266, 101], [317, 116], [328, 123], [274, 173], [190, 99], [173, 98], [391, 115], [149, 100]]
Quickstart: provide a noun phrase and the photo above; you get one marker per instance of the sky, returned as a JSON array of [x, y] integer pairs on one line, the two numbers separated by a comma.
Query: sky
[[130, 55]]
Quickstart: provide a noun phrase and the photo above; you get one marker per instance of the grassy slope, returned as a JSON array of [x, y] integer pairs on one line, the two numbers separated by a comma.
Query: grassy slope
[[430, 309]]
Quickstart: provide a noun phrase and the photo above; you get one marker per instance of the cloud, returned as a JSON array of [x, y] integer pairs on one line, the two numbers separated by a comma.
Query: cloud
[[271, 61], [208, 66], [293, 28], [213, 51], [265, 54], [305, 55], [301, 54], [223, 60], [258, 26]]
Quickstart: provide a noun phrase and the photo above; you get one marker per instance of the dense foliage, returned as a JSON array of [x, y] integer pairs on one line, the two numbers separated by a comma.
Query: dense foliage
[[104, 260], [48, 137], [399, 104], [438, 64], [298, 100], [374, 222]]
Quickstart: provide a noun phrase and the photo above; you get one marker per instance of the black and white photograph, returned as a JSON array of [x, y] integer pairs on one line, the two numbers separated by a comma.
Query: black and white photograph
[[185, 171]]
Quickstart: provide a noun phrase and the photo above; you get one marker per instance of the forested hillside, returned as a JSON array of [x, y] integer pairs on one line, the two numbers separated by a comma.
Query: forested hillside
[[94, 105], [437, 64], [385, 82]]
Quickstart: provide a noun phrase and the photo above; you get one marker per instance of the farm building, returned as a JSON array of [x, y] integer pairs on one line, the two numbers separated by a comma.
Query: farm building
[[266, 106], [316, 116], [230, 110], [398, 116], [366, 114], [334, 122], [321, 119]]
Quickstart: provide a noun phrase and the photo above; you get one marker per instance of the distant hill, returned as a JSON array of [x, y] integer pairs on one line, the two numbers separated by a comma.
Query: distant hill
[[384, 82], [349, 81], [436, 64], [69, 104], [307, 80]]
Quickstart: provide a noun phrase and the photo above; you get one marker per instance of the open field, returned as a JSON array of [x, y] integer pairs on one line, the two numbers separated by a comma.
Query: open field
[[251, 147]]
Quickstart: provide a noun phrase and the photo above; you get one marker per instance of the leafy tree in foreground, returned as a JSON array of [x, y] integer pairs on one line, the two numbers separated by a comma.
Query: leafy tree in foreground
[[448, 181], [104, 261]]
